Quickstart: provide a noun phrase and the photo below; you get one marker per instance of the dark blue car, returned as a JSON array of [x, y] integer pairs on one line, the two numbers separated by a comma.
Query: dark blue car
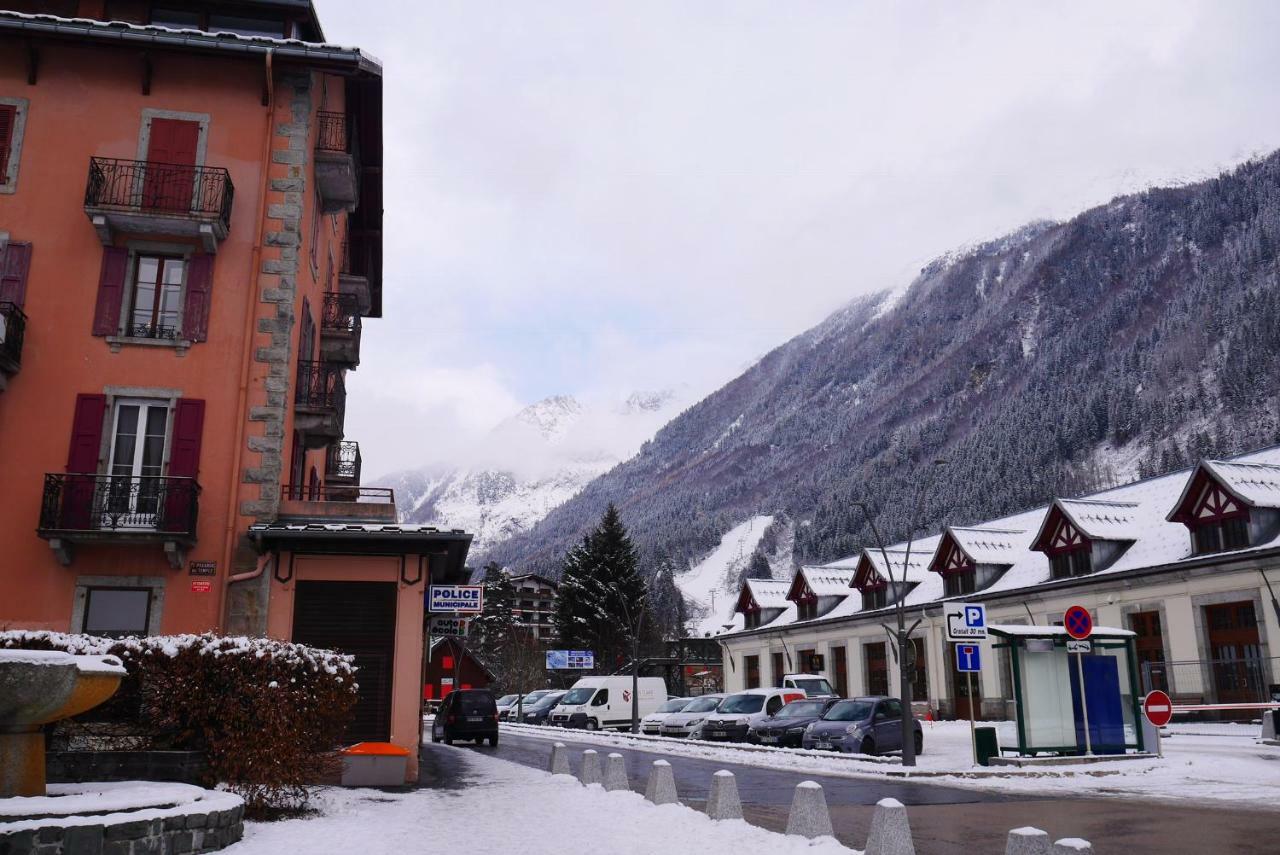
[[870, 725]]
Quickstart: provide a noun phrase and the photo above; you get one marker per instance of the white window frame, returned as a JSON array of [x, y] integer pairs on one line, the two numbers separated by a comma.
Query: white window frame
[[9, 181]]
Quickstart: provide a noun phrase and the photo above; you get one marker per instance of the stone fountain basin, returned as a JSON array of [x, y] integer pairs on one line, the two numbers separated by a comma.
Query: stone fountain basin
[[41, 686]]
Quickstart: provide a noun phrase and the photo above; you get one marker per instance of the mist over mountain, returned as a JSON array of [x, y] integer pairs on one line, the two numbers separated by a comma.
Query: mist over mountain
[[1061, 358]]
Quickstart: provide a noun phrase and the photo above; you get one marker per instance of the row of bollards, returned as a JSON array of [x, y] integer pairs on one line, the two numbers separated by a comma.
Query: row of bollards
[[809, 817]]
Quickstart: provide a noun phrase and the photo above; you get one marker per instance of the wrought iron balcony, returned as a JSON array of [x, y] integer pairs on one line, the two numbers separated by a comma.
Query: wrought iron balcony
[[337, 503], [337, 162], [340, 329], [13, 327], [343, 463], [174, 200], [358, 271], [320, 402], [119, 509]]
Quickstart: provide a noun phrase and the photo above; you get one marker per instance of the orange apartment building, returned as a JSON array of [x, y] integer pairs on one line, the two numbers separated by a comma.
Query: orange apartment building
[[190, 243]]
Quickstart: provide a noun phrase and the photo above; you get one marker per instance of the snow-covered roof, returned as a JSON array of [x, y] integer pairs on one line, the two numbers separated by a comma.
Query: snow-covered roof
[[1027, 631], [1136, 512], [1256, 484], [768, 593], [916, 565], [827, 581]]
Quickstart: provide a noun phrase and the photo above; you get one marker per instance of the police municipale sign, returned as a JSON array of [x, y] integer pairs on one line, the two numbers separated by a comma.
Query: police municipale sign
[[456, 598]]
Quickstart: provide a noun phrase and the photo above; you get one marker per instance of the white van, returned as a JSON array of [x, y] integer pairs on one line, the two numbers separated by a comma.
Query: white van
[[603, 702], [814, 685]]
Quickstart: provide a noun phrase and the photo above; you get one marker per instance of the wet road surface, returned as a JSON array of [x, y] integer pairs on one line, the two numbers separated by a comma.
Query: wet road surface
[[945, 818]]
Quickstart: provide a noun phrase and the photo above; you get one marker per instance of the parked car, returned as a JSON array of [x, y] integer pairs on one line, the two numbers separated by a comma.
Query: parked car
[[814, 685], [737, 713], [688, 722], [652, 723], [597, 703], [466, 714], [507, 705], [870, 725], [787, 727], [542, 707]]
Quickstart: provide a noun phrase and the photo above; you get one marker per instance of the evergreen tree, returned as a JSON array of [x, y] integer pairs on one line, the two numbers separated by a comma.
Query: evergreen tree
[[494, 628]]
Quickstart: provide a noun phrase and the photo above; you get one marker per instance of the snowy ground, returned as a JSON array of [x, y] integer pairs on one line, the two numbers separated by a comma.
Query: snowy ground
[[513, 809], [710, 585], [1201, 762]]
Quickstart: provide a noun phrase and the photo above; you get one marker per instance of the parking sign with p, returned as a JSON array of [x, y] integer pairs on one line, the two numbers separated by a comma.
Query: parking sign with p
[[966, 621]]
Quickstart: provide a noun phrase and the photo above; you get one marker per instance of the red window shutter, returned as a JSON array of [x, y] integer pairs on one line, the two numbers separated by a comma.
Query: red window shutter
[[86, 433], [106, 315], [15, 264], [8, 118], [173, 141], [195, 310], [188, 426]]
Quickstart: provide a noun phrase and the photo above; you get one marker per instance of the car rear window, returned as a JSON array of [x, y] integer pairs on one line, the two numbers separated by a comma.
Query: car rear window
[[476, 704]]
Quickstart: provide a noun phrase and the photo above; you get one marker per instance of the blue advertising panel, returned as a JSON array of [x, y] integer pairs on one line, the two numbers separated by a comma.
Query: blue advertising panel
[[570, 660]]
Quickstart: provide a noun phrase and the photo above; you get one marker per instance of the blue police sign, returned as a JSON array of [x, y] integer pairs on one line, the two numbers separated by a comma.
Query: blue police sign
[[968, 658]]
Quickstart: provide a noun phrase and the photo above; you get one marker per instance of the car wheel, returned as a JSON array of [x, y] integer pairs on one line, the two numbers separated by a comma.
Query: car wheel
[[493, 741], [448, 740], [919, 744], [592, 725], [867, 746]]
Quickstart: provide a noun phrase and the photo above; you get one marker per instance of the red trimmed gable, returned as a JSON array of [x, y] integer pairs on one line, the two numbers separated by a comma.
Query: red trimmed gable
[[867, 577], [1207, 500], [746, 603], [950, 558], [1059, 535], [799, 591]]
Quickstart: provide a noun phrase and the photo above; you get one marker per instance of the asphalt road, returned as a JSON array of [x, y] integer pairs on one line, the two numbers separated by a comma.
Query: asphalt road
[[945, 818]]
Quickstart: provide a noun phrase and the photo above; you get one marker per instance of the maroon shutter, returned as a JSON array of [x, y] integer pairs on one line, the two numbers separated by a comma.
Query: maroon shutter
[[106, 315], [184, 462], [86, 441], [86, 433], [195, 310], [8, 118], [15, 264]]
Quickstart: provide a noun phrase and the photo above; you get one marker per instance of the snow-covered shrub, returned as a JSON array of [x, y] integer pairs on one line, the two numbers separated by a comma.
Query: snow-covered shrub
[[268, 714]]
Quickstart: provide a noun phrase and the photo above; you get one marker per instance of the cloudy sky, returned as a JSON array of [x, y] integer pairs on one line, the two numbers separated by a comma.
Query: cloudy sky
[[593, 197]]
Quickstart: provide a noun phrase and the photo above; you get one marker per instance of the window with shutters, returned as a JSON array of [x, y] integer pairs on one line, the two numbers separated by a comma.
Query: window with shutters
[[148, 295], [13, 120]]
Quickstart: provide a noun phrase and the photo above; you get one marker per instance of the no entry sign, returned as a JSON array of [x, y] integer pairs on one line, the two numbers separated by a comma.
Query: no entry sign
[[1158, 708], [1078, 622]]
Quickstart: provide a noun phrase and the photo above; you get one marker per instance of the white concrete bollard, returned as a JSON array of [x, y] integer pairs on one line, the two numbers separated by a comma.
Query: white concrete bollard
[[890, 830], [661, 788], [615, 773], [809, 816], [560, 759], [590, 773], [1269, 725], [1027, 841], [723, 803], [1071, 846]]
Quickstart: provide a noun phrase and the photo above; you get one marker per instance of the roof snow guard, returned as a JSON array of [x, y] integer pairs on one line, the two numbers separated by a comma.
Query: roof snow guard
[[1251, 484], [872, 566], [1096, 520], [969, 546]]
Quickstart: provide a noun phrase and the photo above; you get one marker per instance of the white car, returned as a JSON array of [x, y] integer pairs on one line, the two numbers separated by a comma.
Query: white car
[[738, 713], [507, 706], [688, 722], [652, 723], [814, 685]]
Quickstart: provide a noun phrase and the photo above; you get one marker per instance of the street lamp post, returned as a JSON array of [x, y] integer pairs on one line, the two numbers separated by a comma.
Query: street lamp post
[[635, 626], [901, 635]]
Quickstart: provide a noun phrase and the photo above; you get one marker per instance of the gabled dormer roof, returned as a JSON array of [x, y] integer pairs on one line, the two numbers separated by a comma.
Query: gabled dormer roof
[[1240, 485], [872, 566], [1087, 519], [820, 582], [961, 546], [762, 594]]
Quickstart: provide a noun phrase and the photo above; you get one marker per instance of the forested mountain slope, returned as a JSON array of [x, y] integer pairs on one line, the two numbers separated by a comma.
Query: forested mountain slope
[[1066, 356]]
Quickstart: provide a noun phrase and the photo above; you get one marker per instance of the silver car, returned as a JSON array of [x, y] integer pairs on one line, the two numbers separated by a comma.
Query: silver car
[[652, 723], [688, 722], [871, 725]]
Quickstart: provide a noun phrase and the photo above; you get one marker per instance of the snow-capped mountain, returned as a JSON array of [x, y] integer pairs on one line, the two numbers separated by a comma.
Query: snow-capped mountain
[[528, 465]]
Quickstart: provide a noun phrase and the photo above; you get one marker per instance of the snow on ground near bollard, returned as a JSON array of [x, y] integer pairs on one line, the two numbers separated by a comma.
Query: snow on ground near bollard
[[560, 760], [661, 789], [723, 803], [809, 816], [615, 773], [1027, 841], [890, 831], [590, 773], [1071, 846]]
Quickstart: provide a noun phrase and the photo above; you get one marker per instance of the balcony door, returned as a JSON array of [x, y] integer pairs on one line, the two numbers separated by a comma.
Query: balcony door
[[137, 464], [171, 165]]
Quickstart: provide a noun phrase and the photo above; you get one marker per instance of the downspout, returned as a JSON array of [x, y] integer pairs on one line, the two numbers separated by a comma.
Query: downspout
[[255, 265]]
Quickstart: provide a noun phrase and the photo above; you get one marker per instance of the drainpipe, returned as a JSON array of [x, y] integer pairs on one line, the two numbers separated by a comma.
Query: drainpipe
[[255, 265], [264, 561]]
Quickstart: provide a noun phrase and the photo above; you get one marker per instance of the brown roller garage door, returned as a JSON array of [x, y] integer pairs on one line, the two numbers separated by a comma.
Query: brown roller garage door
[[358, 618]]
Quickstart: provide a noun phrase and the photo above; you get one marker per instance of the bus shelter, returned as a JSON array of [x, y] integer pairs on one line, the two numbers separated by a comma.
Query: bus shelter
[[1051, 701]]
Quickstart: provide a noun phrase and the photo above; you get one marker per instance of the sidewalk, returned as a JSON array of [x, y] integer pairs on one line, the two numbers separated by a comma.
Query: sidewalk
[[505, 807]]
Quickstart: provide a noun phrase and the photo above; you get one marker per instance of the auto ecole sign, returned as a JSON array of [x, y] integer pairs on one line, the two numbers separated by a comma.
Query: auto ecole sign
[[468, 599]]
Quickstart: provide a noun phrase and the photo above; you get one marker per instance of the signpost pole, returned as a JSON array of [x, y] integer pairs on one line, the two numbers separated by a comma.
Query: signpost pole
[[973, 732], [1084, 706]]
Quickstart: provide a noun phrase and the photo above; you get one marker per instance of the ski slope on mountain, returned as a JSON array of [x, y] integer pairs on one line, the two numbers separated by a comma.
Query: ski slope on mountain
[[711, 585]]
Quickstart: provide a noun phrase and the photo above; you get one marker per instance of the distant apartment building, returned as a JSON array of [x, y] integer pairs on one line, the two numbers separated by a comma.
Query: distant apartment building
[[190, 246], [535, 605]]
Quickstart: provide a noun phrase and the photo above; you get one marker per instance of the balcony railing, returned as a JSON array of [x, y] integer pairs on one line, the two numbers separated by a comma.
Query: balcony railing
[[13, 327], [333, 132], [167, 189], [321, 388], [340, 314], [119, 505], [343, 463], [338, 493]]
